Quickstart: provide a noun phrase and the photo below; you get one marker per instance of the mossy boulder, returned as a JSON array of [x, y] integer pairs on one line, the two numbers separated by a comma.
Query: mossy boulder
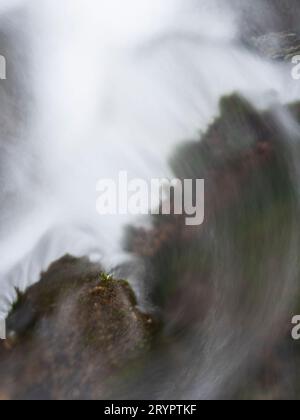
[[246, 162], [72, 335], [221, 277]]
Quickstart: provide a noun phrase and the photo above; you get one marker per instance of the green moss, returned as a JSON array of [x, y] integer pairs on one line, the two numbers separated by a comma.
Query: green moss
[[19, 299], [106, 277]]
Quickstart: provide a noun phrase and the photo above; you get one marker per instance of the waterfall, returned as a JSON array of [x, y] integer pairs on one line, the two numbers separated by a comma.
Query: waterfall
[[114, 85]]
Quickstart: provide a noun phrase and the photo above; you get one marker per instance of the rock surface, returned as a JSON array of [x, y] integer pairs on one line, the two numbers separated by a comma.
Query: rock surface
[[282, 46], [72, 335], [230, 273]]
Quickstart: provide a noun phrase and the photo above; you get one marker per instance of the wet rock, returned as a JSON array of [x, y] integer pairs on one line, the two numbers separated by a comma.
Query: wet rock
[[215, 283], [246, 167], [72, 335], [259, 17], [282, 46]]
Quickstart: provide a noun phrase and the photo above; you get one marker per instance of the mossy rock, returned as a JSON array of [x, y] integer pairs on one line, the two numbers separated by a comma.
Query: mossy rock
[[236, 263], [71, 335]]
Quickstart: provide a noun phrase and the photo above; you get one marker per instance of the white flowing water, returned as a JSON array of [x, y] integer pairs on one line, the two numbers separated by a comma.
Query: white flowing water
[[115, 85]]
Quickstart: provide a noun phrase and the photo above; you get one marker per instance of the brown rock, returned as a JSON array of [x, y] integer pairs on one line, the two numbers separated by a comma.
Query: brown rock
[[72, 335]]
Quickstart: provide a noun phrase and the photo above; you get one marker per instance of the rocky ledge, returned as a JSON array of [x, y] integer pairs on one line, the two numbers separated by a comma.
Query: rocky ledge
[[72, 335]]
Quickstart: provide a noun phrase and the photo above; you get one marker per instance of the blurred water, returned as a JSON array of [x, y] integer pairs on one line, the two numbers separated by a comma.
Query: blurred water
[[114, 86]]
